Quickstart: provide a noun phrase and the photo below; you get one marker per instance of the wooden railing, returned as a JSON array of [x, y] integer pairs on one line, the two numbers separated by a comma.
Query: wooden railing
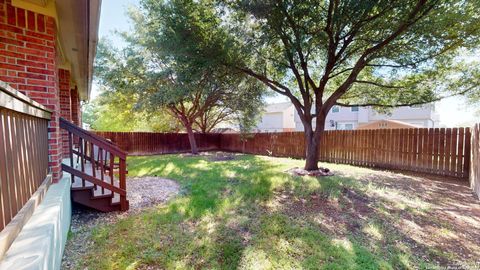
[[23, 150], [95, 160]]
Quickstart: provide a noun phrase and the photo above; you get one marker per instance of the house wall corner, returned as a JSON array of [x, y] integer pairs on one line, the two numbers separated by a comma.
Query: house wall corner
[[28, 53]]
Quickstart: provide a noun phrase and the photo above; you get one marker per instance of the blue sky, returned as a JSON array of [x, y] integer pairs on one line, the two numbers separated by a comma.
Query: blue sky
[[452, 111], [113, 17]]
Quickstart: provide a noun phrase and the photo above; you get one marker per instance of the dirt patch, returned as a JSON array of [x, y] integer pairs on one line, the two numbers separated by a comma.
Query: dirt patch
[[142, 192], [296, 171], [148, 191], [208, 154], [222, 156], [437, 219], [214, 155], [200, 154]]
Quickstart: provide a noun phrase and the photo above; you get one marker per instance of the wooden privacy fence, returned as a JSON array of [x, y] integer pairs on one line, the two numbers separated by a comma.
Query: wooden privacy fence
[[443, 151], [23, 151], [475, 160], [149, 143], [279, 144], [439, 151]]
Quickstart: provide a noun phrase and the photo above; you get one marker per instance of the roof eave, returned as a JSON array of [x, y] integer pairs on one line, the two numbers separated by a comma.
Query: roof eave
[[78, 23], [95, 11]]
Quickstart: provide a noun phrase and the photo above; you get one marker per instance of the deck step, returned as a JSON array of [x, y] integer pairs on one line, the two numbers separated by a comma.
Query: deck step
[[103, 204], [96, 175], [85, 192]]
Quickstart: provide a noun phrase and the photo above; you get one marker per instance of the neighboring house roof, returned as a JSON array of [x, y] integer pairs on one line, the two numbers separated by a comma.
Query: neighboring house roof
[[277, 107], [382, 124], [426, 111]]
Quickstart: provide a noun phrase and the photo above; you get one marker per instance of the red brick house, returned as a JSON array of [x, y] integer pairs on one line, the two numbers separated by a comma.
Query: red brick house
[[47, 48], [48, 56]]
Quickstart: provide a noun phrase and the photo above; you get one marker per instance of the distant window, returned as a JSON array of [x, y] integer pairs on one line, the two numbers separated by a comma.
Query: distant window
[[344, 126], [355, 109], [332, 123], [335, 109]]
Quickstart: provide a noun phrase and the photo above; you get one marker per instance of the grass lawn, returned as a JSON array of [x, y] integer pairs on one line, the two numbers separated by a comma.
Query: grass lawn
[[248, 214]]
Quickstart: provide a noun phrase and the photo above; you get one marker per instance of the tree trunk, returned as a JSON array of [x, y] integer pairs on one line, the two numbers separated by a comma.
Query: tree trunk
[[191, 139], [312, 144]]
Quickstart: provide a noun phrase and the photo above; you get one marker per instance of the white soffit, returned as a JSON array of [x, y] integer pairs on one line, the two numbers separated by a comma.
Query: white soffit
[[78, 22]]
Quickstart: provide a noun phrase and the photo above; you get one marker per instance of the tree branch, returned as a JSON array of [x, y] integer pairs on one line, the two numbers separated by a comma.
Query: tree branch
[[366, 56], [298, 48], [379, 84], [373, 104]]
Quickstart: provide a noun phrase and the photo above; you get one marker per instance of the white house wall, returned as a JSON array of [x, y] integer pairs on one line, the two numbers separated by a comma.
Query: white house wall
[[289, 118], [277, 118], [271, 122], [419, 116]]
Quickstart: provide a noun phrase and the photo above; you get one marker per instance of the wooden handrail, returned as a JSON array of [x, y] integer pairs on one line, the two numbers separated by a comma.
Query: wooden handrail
[[97, 140], [87, 143], [94, 180]]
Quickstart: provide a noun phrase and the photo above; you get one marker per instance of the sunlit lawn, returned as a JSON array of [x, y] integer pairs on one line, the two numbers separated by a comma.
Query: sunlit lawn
[[248, 214]]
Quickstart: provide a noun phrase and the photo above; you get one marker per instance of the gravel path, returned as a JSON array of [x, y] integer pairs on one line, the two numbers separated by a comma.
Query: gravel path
[[142, 192]]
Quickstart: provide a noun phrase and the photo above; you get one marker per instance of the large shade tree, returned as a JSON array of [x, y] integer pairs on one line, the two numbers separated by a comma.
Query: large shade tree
[[381, 53], [159, 68]]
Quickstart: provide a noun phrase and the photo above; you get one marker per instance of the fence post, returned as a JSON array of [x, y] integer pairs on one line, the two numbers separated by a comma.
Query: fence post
[[123, 186], [474, 172]]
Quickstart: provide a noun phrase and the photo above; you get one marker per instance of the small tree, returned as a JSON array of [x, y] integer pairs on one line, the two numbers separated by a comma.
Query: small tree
[[202, 104]]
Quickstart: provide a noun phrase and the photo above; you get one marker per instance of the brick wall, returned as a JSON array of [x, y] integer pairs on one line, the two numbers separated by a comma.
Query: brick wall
[[28, 63], [76, 110], [65, 105]]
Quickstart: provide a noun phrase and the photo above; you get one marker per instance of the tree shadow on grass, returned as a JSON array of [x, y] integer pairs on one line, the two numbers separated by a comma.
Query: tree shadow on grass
[[391, 221], [289, 244], [201, 227], [207, 207], [439, 211], [221, 221], [225, 220]]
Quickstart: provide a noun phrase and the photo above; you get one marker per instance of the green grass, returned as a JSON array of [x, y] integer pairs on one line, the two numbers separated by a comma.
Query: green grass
[[228, 216]]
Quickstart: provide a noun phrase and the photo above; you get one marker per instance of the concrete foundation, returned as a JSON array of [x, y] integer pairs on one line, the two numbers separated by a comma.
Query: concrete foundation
[[42, 240]]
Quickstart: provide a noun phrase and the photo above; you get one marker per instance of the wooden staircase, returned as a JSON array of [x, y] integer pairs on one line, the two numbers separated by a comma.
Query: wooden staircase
[[98, 170]]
